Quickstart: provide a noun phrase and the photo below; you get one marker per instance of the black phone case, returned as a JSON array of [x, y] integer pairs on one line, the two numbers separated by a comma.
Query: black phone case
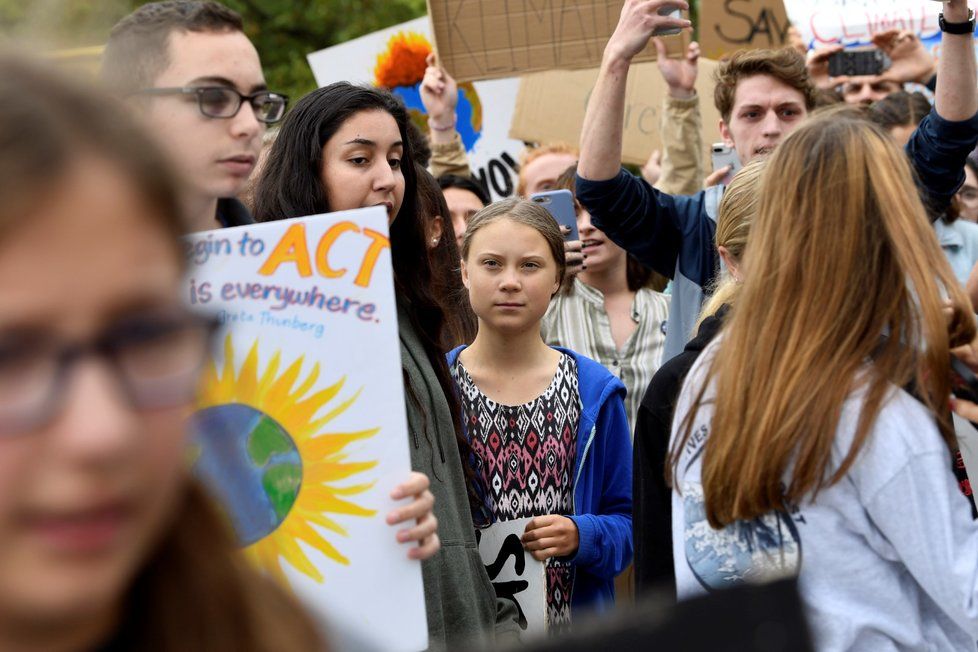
[[855, 63]]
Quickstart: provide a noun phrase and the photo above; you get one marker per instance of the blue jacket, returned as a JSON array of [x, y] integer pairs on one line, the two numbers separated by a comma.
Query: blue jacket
[[675, 235], [602, 485]]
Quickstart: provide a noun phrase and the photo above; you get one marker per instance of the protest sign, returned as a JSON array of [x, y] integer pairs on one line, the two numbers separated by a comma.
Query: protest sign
[[514, 573], [726, 26], [488, 39], [300, 430], [551, 106], [395, 58], [855, 22]]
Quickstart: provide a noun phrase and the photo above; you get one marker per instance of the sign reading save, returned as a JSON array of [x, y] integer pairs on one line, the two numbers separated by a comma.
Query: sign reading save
[[488, 39], [730, 25]]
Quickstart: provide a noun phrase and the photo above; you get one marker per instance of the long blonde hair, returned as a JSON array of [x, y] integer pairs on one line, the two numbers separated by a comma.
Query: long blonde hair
[[840, 254], [735, 215]]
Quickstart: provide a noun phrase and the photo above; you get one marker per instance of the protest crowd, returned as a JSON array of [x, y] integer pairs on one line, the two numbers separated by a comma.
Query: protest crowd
[[684, 380]]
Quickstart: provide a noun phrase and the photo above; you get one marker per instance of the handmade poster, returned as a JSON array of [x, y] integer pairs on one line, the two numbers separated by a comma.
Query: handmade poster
[[300, 430], [488, 39], [726, 26], [394, 58], [536, 120], [854, 22], [515, 574]]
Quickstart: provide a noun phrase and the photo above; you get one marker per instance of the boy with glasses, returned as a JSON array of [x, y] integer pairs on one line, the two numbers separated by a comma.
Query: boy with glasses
[[196, 80]]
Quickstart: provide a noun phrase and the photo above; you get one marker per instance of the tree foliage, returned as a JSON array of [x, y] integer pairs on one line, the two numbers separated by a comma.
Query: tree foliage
[[284, 31]]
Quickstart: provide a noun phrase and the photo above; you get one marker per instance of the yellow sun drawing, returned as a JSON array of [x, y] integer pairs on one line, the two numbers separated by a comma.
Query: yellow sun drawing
[[267, 452]]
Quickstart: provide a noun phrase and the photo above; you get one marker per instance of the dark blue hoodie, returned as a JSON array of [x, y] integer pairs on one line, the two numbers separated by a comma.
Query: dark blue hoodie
[[602, 485]]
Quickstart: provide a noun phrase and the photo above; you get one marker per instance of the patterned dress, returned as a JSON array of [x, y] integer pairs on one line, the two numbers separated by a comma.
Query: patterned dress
[[525, 455]]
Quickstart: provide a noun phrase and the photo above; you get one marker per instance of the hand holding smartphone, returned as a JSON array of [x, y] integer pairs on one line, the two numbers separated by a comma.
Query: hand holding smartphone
[[724, 156], [560, 204], [671, 12]]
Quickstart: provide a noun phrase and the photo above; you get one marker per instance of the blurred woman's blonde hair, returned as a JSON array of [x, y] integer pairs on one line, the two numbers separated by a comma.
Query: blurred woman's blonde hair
[[737, 211]]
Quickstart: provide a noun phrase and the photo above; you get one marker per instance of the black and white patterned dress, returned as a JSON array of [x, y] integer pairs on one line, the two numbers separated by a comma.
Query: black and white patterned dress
[[525, 455]]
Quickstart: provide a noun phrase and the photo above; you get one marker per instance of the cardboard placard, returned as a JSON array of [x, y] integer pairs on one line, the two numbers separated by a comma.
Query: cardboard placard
[[515, 574], [488, 39], [485, 108], [730, 25], [300, 431], [550, 107]]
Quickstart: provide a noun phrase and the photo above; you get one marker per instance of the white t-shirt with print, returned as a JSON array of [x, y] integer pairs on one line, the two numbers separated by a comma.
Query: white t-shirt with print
[[886, 559]]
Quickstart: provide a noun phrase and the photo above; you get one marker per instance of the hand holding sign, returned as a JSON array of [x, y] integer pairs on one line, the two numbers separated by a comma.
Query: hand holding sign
[[679, 74], [439, 94], [421, 510], [551, 536], [640, 20]]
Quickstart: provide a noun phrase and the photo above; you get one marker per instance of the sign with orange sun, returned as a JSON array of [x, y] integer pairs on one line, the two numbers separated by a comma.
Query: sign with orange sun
[[300, 431]]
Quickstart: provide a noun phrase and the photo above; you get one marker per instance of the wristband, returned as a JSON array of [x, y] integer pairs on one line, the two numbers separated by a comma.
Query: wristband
[[434, 126], [967, 27]]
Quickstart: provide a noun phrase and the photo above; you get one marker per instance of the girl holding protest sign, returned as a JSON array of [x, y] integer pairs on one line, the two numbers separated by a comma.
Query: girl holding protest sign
[[344, 147], [105, 540], [547, 426]]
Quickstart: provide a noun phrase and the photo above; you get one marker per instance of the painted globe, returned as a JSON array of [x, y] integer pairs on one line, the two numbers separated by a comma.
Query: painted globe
[[251, 465]]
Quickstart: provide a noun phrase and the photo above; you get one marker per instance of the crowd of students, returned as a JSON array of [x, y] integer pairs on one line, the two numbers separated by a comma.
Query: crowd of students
[[782, 408]]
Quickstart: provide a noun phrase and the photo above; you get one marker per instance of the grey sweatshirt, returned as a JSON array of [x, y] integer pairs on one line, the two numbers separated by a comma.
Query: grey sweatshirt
[[462, 608], [887, 558]]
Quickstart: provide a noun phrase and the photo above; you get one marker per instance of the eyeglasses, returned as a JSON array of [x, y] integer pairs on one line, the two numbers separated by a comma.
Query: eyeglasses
[[225, 102], [156, 358]]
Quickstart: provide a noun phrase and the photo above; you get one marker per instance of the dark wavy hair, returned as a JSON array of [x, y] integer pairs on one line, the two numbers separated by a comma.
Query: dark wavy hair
[[291, 186]]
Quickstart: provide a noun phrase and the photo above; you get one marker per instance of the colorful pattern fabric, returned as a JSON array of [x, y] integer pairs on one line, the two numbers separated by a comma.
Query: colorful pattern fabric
[[525, 455]]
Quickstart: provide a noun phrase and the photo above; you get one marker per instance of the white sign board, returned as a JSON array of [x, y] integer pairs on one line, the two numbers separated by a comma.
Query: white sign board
[[300, 428], [515, 574], [855, 22], [485, 108]]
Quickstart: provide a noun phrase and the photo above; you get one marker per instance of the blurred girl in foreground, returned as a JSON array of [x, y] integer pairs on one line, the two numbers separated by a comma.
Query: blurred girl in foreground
[[105, 542]]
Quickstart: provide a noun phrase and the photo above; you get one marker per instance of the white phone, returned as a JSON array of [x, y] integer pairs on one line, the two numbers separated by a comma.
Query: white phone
[[722, 157], [672, 12]]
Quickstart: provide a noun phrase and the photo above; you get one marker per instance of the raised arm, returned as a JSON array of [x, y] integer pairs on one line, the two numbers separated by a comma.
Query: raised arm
[[942, 142], [956, 98], [601, 135]]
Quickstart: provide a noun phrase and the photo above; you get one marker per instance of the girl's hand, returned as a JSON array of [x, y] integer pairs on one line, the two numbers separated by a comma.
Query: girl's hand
[[420, 510], [439, 92], [551, 536], [573, 256]]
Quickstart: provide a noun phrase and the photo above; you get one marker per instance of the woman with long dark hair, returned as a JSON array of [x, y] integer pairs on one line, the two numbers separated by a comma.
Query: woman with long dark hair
[[106, 542], [345, 147]]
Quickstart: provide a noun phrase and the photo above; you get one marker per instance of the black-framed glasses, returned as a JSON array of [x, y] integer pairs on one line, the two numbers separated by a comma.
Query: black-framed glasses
[[157, 359], [225, 102]]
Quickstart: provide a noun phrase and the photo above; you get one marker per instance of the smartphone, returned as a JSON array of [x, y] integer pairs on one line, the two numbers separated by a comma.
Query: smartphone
[[856, 63], [722, 157], [560, 204], [672, 12], [964, 383]]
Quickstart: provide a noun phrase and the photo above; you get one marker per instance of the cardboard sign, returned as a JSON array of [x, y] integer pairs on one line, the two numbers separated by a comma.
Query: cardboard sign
[[300, 429], [514, 573], [730, 25], [855, 22], [488, 39], [551, 106], [394, 58]]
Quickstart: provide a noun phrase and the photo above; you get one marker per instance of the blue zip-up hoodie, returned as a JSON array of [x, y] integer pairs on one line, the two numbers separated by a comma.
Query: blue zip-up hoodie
[[602, 485]]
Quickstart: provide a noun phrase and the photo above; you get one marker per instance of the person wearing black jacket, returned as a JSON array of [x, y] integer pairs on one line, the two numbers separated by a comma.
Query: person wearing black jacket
[[651, 496]]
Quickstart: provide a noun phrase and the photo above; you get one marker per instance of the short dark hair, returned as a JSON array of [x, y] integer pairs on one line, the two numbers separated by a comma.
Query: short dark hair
[[137, 50], [900, 109], [465, 183]]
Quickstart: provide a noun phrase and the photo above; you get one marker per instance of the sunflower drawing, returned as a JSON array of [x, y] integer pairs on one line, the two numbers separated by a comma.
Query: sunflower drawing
[[264, 446]]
